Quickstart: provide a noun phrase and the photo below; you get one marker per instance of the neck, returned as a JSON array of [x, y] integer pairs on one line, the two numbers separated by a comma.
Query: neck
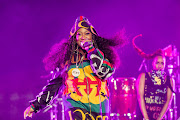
[[158, 72]]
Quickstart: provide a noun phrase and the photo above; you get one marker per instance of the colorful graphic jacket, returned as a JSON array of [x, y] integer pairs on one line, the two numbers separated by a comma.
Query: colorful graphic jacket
[[87, 91]]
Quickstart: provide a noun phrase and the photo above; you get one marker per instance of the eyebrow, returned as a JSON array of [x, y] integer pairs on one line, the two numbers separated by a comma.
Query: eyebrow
[[159, 62]]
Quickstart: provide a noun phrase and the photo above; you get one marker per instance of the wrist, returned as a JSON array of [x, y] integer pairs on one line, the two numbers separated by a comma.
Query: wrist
[[145, 118], [32, 106], [160, 116], [90, 49]]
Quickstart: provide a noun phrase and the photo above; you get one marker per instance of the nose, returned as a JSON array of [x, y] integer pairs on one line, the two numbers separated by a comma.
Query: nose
[[160, 67], [83, 37]]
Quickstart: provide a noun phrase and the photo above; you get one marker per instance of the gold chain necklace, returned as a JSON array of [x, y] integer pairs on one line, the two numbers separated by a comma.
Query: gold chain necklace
[[76, 71]]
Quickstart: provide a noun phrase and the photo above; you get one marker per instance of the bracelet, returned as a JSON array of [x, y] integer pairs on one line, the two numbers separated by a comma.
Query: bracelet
[[32, 106], [145, 119]]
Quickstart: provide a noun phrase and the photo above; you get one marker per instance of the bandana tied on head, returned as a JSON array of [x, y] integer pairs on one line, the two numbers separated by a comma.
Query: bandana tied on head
[[82, 22], [158, 52]]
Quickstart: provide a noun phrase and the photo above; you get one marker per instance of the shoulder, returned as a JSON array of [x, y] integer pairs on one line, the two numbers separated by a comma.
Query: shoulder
[[141, 80], [142, 75]]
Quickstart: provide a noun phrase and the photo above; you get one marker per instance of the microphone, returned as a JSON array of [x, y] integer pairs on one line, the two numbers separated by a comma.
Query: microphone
[[86, 44]]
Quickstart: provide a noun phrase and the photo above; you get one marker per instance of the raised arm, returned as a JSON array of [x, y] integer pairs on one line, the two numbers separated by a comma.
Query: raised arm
[[101, 66]]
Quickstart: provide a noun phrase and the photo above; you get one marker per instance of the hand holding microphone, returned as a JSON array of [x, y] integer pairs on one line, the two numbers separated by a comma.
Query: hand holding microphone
[[86, 44]]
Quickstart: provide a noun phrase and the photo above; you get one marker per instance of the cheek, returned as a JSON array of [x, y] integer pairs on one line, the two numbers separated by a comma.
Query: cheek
[[155, 66], [77, 38], [163, 66], [90, 36]]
